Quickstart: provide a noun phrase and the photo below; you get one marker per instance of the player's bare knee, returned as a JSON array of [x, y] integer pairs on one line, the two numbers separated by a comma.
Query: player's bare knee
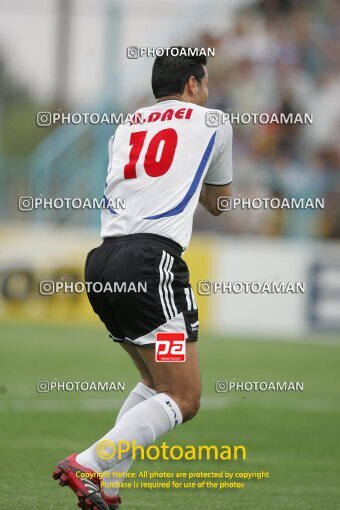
[[189, 404], [191, 407]]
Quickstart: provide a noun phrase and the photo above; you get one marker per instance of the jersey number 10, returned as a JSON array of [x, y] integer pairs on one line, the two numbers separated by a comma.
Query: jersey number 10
[[152, 167]]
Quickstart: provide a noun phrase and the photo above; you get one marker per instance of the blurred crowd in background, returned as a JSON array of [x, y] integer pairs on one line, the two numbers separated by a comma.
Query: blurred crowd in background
[[282, 56], [273, 56]]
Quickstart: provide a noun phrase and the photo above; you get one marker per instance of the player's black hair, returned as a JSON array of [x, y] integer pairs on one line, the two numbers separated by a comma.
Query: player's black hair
[[170, 73]]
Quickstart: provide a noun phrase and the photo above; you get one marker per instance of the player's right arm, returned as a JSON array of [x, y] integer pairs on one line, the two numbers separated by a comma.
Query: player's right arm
[[217, 182]]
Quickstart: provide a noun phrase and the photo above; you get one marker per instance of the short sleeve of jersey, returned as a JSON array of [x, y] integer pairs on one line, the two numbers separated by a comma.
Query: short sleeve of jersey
[[220, 171]]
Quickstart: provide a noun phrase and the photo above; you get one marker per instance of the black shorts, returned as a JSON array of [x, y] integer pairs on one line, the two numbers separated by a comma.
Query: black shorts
[[145, 288]]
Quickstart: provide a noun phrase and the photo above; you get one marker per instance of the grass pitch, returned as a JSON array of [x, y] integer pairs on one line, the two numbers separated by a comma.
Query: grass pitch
[[292, 435]]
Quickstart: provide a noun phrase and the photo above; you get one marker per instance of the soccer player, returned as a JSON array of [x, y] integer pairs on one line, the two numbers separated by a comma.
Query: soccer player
[[162, 163]]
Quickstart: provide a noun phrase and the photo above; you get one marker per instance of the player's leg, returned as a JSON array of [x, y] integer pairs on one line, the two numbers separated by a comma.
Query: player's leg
[[143, 392], [179, 389], [180, 381]]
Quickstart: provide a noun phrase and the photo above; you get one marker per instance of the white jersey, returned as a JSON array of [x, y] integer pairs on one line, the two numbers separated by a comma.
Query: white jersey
[[157, 168]]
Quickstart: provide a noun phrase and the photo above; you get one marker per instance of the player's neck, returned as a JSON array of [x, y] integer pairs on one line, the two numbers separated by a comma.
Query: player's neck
[[170, 98]]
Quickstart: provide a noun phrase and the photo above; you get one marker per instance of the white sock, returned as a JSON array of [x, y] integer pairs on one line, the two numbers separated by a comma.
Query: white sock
[[144, 423], [140, 393]]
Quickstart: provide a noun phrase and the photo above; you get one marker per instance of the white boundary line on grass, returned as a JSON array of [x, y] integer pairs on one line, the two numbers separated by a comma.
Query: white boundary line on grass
[[218, 402]]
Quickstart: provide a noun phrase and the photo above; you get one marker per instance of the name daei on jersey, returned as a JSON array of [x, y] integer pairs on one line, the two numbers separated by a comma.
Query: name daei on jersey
[[144, 117]]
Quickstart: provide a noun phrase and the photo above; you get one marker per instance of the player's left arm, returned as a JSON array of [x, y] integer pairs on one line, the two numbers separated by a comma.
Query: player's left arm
[[217, 182], [211, 195]]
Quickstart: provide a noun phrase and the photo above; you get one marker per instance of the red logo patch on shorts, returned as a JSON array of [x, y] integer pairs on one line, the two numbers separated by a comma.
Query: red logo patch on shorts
[[170, 347]]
